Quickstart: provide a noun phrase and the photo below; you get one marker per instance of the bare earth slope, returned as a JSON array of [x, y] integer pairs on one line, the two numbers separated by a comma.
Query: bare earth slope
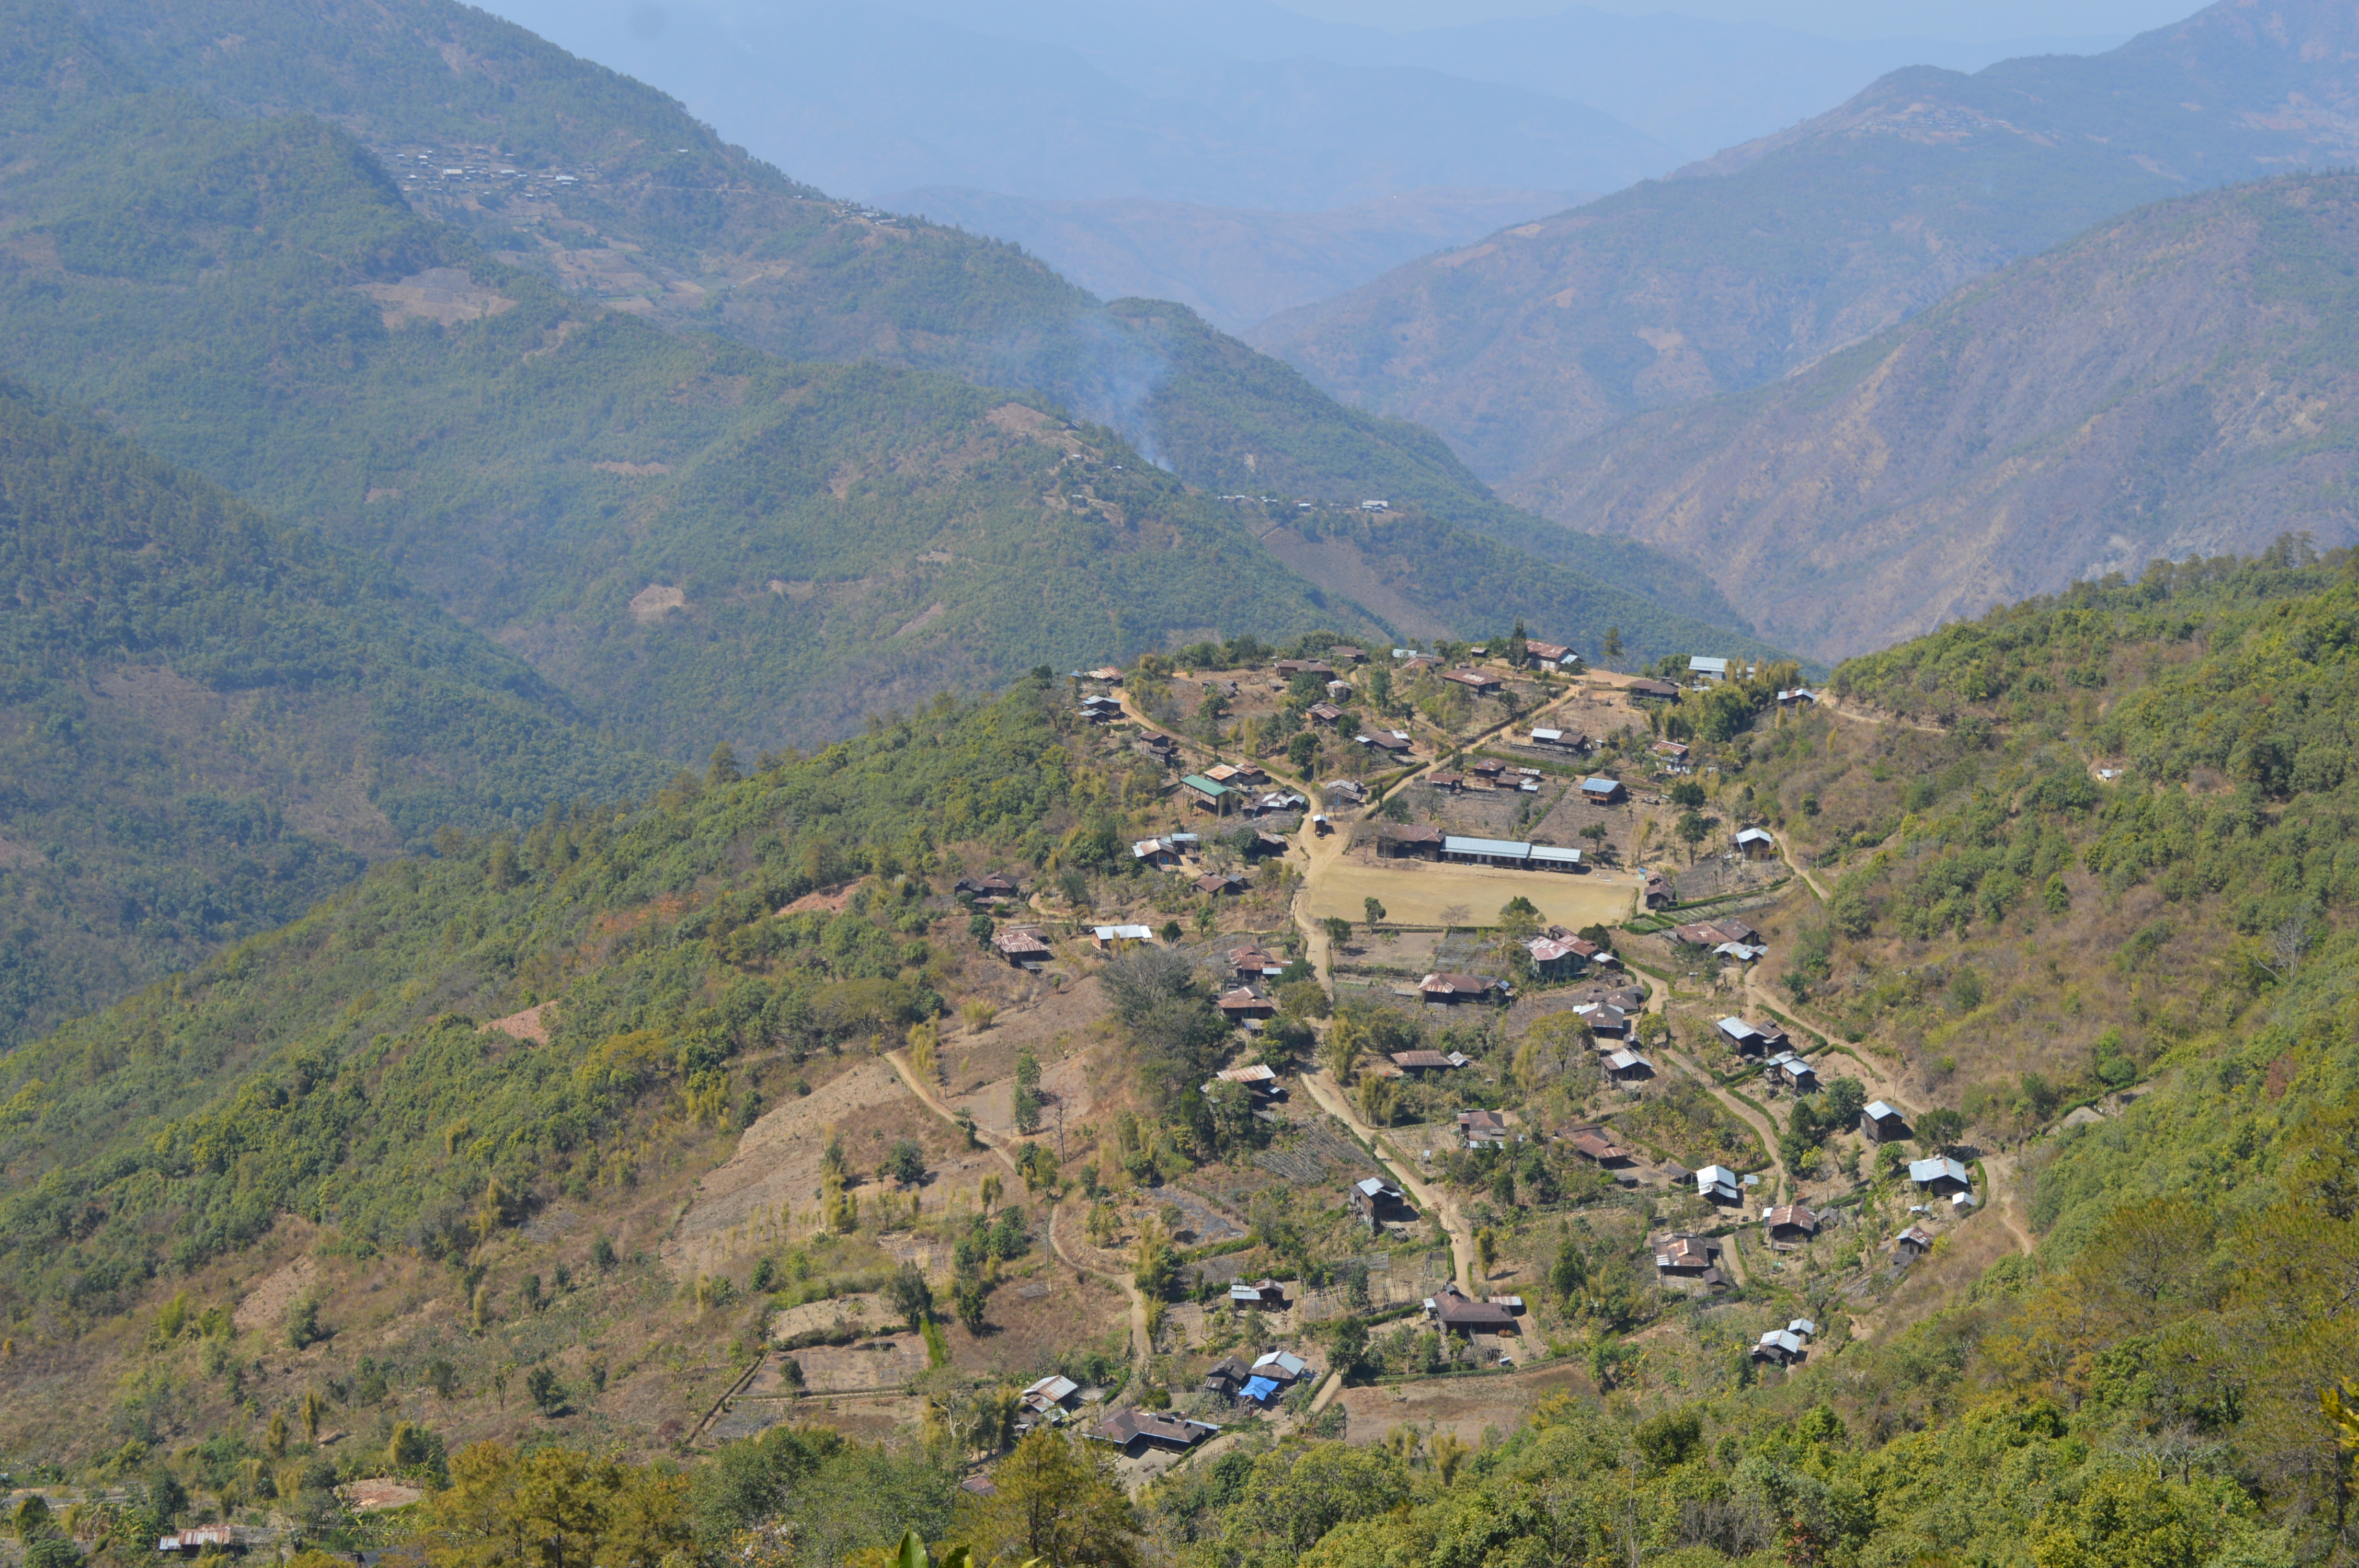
[[1776, 253], [2179, 381]]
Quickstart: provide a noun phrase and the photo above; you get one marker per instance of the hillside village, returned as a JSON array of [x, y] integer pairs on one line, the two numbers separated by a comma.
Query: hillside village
[[1250, 1089], [696, 875], [1489, 1103]]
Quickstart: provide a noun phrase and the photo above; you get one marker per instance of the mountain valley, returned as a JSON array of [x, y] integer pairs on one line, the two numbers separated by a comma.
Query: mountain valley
[[1764, 259], [2174, 383]]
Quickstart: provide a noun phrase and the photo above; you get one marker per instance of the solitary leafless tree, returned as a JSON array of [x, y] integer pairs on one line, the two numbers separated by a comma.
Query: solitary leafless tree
[[2290, 941]]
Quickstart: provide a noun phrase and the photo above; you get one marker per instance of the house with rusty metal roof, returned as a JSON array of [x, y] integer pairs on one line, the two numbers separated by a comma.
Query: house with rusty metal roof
[[1135, 1430], [1453, 1312], [1024, 947]]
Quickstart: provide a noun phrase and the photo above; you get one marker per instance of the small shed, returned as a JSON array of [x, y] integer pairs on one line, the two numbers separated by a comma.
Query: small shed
[[1265, 1294], [1135, 1430], [1941, 1174], [1245, 1002], [1450, 988], [1601, 791], [1718, 1184], [1690, 1258], [1598, 1148], [1207, 794], [1281, 1366], [1227, 1377], [989, 888], [1456, 1313], [1409, 843], [1480, 1126], [1375, 1200], [1628, 1067], [1161, 853], [1024, 947], [1741, 1036], [1881, 1122], [1789, 1223]]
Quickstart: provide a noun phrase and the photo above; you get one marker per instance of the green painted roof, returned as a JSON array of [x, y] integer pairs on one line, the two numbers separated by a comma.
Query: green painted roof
[[1200, 783]]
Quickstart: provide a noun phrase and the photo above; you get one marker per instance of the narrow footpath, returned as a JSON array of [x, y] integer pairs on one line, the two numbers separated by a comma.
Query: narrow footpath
[[1332, 1100], [926, 1095], [1658, 998]]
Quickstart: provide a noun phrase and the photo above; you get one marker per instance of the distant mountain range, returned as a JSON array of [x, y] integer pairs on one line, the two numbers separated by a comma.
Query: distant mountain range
[[1776, 253], [2182, 381], [608, 206], [1235, 156], [373, 529], [1232, 265]]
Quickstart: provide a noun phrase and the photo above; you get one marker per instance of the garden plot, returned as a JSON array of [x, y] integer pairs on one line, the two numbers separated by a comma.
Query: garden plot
[[1315, 1155], [1392, 1278]]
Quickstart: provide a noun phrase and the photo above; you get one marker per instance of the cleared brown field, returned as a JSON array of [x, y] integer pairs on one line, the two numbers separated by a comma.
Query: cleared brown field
[[1416, 892]]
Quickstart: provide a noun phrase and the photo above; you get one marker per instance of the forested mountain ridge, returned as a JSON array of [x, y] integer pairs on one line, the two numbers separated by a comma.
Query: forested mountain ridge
[[1768, 258], [2090, 884], [212, 722], [695, 540], [659, 217], [685, 539], [336, 1050], [2174, 382], [634, 509]]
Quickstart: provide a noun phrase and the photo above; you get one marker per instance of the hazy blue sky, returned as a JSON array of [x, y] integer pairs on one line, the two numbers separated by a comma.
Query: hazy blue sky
[[1048, 122], [1836, 18]]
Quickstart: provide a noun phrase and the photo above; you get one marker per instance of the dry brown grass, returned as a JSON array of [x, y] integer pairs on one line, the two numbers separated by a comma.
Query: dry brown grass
[[1419, 892]]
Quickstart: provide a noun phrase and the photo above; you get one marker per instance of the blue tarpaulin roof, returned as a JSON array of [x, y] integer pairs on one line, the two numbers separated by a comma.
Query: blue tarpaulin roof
[[1259, 1388]]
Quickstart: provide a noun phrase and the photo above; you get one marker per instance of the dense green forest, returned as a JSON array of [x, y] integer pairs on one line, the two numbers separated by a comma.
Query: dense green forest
[[308, 1070], [690, 539], [209, 723]]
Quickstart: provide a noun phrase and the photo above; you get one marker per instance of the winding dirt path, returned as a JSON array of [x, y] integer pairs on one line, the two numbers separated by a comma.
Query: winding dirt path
[[1659, 997], [1796, 867], [2003, 1195], [926, 1095], [1330, 1099], [1834, 705]]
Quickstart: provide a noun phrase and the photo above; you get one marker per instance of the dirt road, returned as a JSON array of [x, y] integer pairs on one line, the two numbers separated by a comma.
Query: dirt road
[[1796, 867], [1429, 1200], [1659, 996]]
